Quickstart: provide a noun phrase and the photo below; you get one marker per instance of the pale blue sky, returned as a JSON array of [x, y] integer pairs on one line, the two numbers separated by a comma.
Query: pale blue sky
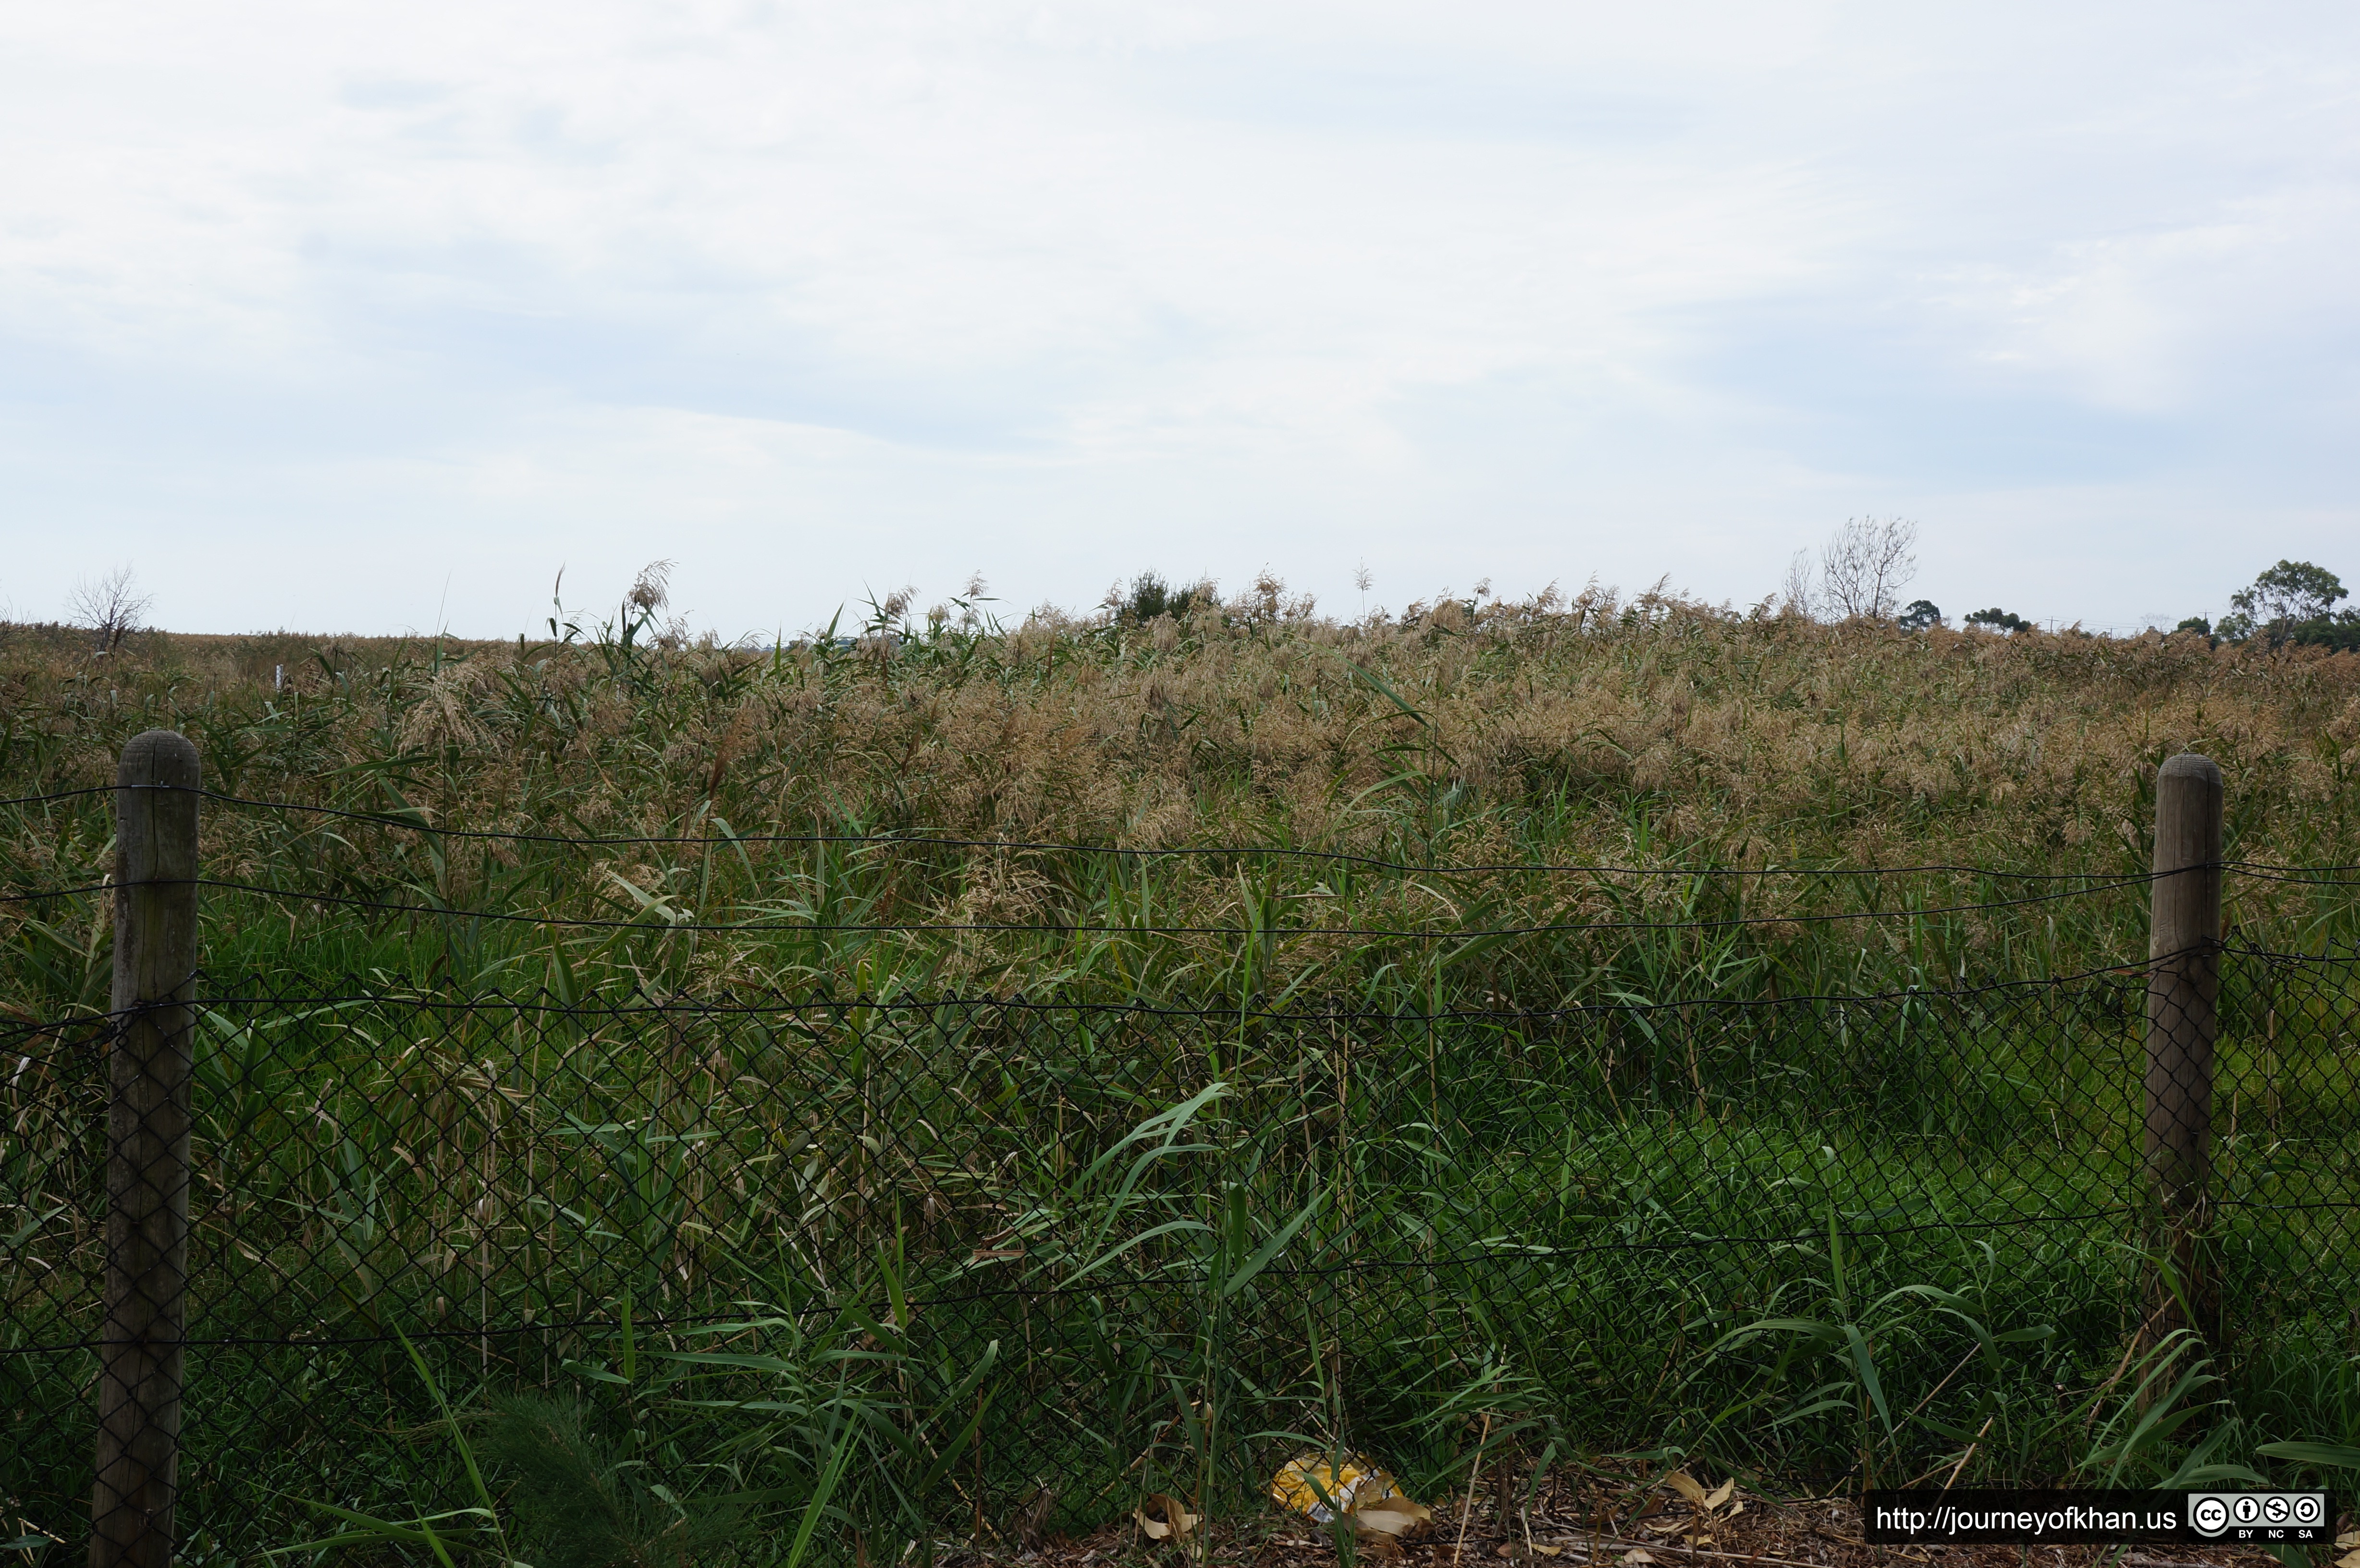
[[364, 317]]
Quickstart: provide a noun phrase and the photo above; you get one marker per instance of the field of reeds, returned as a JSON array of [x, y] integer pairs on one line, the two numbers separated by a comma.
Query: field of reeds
[[1444, 752], [1363, 1042]]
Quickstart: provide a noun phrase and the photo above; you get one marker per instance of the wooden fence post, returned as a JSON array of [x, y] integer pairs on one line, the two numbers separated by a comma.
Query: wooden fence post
[[2183, 993], [146, 1233]]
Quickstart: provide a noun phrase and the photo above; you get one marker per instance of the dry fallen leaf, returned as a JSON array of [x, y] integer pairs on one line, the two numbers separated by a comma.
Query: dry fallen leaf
[[2349, 1560], [1549, 1551], [1683, 1483], [1391, 1516], [1639, 1554], [1162, 1517], [1722, 1493]]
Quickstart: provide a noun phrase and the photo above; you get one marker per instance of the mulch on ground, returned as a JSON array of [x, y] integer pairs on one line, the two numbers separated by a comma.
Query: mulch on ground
[[1593, 1522]]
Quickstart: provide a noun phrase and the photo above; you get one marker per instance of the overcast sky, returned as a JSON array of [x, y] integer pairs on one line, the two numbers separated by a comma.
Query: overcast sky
[[365, 317]]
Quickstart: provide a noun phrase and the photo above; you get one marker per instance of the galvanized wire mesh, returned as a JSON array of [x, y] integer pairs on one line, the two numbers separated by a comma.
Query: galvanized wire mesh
[[1318, 1208]]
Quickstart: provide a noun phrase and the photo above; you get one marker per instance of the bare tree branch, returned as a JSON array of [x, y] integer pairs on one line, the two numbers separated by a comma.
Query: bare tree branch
[[109, 607], [1865, 566], [1795, 594]]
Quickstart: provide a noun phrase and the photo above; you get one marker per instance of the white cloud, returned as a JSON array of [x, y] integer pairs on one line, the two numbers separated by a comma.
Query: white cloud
[[360, 298]]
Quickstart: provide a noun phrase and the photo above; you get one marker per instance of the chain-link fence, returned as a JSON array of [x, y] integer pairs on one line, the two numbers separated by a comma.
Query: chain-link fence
[[1079, 1229]]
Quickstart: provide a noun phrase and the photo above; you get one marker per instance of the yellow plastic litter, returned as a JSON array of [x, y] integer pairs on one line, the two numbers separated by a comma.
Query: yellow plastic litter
[[1300, 1483]]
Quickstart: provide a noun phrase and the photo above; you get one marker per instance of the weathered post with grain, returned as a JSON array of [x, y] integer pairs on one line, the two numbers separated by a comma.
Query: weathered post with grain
[[2183, 995], [147, 1230]]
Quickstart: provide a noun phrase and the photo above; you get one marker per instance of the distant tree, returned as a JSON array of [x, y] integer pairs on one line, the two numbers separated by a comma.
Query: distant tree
[[1150, 596], [1795, 594], [1864, 565], [110, 607], [2291, 604], [2196, 624], [1920, 615], [1997, 620], [2291, 590], [2341, 631]]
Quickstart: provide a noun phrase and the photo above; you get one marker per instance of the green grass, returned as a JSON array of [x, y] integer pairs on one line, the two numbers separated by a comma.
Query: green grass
[[1292, 1222], [1339, 1167]]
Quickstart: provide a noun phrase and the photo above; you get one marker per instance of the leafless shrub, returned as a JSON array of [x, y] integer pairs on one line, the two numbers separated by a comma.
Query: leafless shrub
[[1795, 595], [1865, 566], [110, 607]]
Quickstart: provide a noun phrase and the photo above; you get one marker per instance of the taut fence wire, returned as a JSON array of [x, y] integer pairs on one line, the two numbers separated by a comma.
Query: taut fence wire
[[531, 1190], [509, 1177]]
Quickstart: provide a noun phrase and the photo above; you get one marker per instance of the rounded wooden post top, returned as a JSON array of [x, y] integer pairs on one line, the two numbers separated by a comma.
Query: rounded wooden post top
[[2187, 764], [159, 757]]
